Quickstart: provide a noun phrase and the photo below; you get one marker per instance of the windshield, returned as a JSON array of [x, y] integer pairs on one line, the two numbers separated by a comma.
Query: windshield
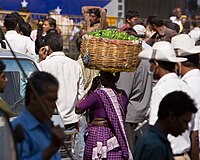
[[15, 89]]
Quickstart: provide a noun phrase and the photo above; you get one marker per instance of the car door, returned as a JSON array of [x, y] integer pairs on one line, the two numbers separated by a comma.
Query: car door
[[7, 147]]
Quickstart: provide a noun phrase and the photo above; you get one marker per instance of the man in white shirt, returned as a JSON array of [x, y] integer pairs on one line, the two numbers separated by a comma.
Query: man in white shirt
[[163, 61], [194, 31], [69, 74], [18, 42], [185, 47]]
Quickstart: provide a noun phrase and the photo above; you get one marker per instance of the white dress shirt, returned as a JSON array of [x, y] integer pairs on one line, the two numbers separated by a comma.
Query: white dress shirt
[[192, 78], [20, 43], [167, 84], [71, 88]]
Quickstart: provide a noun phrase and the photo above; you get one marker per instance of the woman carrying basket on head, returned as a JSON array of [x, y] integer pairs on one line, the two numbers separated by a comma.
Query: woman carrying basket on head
[[95, 18], [106, 134]]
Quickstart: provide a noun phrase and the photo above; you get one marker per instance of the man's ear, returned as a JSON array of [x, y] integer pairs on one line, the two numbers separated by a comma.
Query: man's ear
[[172, 118], [21, 33], [49, 50]]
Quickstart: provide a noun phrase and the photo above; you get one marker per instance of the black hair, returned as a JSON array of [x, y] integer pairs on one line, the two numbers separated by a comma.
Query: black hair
[[194, 24], [197, 43], [20, 20], [39, 28], [173, 26], [24, 9], [39, 81], [149, 19], [192, 61], [52, 22], [131, 13], [10, 22], [2, 66], [176, 102], [169, 66], [25, 28], [54, 40], [154, 20], [113, 77], [95, 11], [39, 42]]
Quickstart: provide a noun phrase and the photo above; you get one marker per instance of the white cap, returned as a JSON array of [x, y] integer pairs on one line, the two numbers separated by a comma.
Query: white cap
[[139, 29], [184, 45], [161, 51]]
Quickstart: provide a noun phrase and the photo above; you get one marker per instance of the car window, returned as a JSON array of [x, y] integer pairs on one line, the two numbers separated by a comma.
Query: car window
[[27, 65], [15, 89]]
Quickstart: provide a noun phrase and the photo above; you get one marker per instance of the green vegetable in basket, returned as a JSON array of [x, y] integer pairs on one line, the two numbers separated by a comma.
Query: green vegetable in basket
[[121, 36], [97, 35], [131, 37], [112, 34], [106, 34]]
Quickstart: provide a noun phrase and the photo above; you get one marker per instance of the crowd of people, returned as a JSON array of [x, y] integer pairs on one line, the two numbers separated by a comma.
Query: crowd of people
[[108, 108]]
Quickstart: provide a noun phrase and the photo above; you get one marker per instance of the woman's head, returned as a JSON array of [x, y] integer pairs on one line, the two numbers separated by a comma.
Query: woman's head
[[108, 78], [95, 11], [49, 23], [94, 15]]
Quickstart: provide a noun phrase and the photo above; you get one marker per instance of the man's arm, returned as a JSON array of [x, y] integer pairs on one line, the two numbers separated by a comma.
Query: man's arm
[[103, 20], [86, 9], [31, 48], [80, 84], [154, 105], [31, 149], [58, 137]]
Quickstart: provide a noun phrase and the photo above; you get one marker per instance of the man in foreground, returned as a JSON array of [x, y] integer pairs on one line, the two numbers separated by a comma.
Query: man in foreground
[[163, 65], [185, 47], [41, 139], [174, 114]]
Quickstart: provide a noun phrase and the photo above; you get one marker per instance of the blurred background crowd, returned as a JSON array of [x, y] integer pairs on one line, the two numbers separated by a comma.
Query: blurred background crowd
[[71, 23]]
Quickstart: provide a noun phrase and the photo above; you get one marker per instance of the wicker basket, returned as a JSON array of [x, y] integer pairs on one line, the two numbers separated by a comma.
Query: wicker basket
[[110, 55]]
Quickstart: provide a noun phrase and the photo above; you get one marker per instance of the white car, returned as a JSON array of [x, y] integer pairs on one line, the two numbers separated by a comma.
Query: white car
[[15, 89]]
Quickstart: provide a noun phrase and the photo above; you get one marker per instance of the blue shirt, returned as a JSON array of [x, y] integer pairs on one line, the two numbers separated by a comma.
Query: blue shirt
[[37, 137], [153, 145]]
